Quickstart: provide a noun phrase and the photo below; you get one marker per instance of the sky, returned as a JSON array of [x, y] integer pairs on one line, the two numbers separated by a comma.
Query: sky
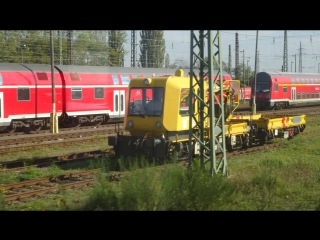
[[270, 48]]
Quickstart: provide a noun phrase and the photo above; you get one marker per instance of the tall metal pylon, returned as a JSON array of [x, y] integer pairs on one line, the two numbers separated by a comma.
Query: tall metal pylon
[[69, 46], [237, 58], [258, 62], [133, 48], [60, 46], [230, 61], [206, 112], [285, 53], [300, 58]]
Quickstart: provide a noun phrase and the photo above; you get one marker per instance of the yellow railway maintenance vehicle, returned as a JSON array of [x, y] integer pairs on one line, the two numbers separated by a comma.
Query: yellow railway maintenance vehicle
[[157, 117]]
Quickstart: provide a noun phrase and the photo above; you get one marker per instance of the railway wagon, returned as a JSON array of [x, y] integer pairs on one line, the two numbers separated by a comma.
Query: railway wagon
[[159, 127], [245, 93], [277, 90], [83, 94]]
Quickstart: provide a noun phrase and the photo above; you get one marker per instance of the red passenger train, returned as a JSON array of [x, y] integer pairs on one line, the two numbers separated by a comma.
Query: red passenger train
[[277, 90], [83, 94], [245, 93]]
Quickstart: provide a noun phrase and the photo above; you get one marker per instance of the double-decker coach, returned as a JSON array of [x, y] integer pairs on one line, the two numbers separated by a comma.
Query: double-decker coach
[[277, 90]]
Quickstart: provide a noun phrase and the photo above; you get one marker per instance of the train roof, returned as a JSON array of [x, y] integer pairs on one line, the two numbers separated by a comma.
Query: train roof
[[292, 74], [27, 67], [21, 67]]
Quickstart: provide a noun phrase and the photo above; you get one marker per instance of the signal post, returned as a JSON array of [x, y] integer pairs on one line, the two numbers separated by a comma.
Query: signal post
[[53, 115]]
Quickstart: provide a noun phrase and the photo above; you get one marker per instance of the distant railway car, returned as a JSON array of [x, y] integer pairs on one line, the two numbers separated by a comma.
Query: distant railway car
[[277, 90], [245, 93]]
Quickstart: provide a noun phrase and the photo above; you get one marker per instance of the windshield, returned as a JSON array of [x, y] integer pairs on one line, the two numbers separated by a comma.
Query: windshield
[[146, 101], [262, 87]]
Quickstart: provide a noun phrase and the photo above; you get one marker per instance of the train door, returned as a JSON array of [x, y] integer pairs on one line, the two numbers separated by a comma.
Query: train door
[[1, 107], [293, 93], [118, 103]]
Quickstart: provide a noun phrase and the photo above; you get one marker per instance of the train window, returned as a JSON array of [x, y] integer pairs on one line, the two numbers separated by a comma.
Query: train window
[[125, 79], [308, 95], [74, 76], [307, 80], [312, 95], [121, 102], [317, 95], [98, 92], [312, 81], [297, 80], [115, 79], [316, 81], [23, 94], [276, 88], [298, 95], [302, 80], [292, 80], [284, 89], [184, 101], [146, 100], [1, 82], [42, 76], [303, 97], [76, 93], [116, 100]]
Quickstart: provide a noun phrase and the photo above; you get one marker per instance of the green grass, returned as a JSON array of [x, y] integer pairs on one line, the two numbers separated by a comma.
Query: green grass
[[283, 178]]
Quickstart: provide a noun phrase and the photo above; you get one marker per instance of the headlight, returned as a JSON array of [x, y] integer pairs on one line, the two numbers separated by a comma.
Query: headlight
[[158, 124], [147, 81], [130, 123]]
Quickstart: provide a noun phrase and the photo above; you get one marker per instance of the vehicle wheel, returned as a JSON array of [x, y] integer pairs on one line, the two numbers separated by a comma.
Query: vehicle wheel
[[99, 122], [10, 129], [75, 122], [36, 127]]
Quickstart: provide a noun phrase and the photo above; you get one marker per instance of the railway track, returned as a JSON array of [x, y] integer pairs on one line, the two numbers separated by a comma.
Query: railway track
[[27, 132], [37, 187]]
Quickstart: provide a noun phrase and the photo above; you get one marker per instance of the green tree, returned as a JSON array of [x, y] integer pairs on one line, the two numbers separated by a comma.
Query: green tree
[[167, 61], [116, 40], [152, 48]]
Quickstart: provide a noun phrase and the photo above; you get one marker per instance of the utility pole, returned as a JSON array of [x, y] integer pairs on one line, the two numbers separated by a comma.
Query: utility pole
[[197, 119], [300, 58], [243, 67], [69, 46], [54, 116], [258, 60], [248, 60], [285, 53], [133, 48], [230, 61], [60, 46], [237, 58], [255, 78]]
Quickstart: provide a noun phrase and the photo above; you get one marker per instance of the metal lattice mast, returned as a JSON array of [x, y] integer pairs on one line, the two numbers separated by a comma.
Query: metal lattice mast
[[133, 48], [237, 58], [300, 58], [230, 61], [206, 112], [258, 62], [60, 46], [69, 46], [285, 53]]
